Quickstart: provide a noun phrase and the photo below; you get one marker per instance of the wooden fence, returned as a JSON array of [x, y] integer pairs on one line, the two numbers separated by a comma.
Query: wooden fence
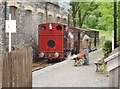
[[17, 68]]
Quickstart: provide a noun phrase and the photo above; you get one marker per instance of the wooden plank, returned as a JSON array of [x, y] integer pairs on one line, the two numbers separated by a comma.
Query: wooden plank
[[9, 68], [119, 76], [14, 69], [24, 62], [20, 67], [113, 78], [1, 66], [30, 66], [3, 72]]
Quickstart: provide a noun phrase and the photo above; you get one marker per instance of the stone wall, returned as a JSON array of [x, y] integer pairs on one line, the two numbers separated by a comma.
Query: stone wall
[[22, 36], [2, 28]]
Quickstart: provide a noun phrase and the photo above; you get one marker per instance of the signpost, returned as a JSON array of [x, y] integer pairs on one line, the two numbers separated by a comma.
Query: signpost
[[10, 26]]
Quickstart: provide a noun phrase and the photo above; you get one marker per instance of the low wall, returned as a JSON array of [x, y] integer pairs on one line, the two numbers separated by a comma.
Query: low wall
[[113, 67]]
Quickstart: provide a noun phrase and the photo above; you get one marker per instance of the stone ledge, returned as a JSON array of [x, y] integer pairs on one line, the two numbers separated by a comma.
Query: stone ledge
[[113, 60], [50, 13], [112, 57], [40, 10], [28, 7], [13, 4], [58, 15], [65, 17]]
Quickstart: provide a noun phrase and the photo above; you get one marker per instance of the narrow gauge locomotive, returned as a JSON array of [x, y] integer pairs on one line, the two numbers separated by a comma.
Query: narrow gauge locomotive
[[52, 44], [51, 41]]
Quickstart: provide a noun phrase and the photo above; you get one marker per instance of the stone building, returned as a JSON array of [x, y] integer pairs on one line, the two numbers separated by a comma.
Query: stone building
[[28, 16]]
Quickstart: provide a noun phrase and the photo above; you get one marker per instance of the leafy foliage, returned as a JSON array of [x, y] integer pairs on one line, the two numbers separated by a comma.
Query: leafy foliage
[[96, 15], [107, 47], [118, 35]]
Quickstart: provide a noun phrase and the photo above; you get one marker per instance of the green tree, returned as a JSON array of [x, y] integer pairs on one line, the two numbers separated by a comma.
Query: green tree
[[81, 10], [96, 15], [118, 26]]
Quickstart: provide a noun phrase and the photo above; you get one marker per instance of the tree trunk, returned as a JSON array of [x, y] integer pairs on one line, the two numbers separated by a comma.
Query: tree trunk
[[74, 21], [81, 20], [79, 14], [75, 7]]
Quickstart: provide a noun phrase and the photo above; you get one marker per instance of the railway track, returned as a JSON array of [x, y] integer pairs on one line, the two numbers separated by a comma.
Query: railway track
[[40, 65]]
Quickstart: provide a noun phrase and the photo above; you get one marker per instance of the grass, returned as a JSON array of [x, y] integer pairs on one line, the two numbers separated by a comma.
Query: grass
[[107, 34]]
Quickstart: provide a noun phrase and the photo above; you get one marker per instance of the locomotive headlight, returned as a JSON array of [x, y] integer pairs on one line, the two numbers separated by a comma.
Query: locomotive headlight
[[56, 54], [42, 54]]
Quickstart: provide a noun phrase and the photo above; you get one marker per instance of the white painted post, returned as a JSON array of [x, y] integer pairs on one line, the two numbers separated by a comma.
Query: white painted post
[[112, 40], [9, 41], [9, 35], [10, 28]]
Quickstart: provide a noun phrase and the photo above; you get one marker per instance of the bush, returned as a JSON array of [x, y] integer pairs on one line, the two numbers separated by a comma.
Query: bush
[[107, 47], [118, 43]]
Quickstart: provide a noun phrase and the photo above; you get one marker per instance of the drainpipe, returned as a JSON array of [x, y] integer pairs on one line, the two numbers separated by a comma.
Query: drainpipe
[[46, 3]]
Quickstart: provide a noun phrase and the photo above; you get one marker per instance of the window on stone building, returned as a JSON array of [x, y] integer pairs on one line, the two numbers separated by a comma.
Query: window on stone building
[[40, 17], [65, 20], [14, 16], [50, 19], [28, 20], [58, 19], [14, 13], [28, 26]]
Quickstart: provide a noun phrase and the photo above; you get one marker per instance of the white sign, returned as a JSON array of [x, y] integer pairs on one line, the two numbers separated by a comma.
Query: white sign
[[10, 27]]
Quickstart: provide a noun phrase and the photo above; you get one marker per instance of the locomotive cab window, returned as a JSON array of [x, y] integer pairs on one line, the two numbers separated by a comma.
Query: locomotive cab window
[[43, 28], [59, 27]]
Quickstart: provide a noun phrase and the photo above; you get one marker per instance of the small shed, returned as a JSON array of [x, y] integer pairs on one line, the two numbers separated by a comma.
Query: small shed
[[113, 67]]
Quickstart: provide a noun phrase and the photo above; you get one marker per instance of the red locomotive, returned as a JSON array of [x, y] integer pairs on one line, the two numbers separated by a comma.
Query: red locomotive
[[55, 42], [51, 41]]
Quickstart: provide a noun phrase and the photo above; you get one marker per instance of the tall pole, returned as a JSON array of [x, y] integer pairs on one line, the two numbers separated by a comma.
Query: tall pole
[[115, 25]]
